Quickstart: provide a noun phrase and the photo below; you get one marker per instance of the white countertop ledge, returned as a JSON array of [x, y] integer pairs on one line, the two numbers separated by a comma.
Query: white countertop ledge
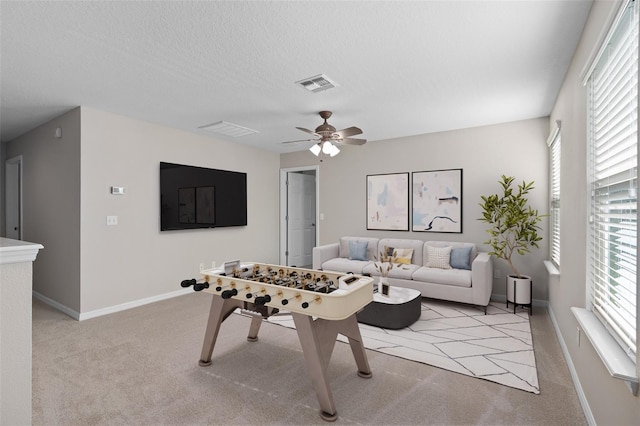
[[551, 268], [619, 365], [16, 251]]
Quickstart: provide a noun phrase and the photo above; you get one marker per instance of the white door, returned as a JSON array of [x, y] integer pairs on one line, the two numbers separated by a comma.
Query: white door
[[309, 215], [13, 198], [301, 218]]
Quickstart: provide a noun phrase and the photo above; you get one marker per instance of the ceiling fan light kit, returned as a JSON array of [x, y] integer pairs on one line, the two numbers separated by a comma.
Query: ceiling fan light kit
[[324, 147], [329, 148], [327, 137], [315, 149]]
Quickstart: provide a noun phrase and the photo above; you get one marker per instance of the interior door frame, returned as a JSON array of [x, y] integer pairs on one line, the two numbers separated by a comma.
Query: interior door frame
[[283, 207], [8, 204]]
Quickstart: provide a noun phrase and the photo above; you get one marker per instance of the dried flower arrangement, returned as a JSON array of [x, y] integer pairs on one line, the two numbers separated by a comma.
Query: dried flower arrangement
[[385, 264]]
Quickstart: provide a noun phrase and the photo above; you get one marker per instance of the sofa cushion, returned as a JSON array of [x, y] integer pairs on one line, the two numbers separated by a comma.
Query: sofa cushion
[[398, 271], [439, 257], [461, 257], [372, 246], [358, 250], [374, 268], [404, 271], [340, 264], [454, 277]]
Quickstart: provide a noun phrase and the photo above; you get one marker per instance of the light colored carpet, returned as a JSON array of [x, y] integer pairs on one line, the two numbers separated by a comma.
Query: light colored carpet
[[140, 367], [497, 347]]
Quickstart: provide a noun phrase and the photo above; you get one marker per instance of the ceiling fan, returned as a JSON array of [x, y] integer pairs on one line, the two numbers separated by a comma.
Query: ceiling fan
[[326, 136]]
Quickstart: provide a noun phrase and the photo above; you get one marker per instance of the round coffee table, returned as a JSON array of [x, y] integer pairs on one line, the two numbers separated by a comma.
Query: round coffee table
[[399, 309]]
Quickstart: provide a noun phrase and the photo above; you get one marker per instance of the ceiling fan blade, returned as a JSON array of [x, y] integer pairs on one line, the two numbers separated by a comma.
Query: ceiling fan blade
[[308, 131], [354, 141], [301, 140], [349, 131]]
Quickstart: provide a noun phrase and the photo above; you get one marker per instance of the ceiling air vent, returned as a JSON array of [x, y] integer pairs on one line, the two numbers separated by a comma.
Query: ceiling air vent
[[228, 129], [317, 84]]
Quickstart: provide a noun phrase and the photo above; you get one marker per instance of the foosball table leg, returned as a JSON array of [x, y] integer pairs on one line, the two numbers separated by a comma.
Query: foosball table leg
[[318, 338], [220, 310], [256, 322], [312, 348], [349, 328]]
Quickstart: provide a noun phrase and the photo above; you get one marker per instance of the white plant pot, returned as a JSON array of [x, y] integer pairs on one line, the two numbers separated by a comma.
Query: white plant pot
[[519, 289]]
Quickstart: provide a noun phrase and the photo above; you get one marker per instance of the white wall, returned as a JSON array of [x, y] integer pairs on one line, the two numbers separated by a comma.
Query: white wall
[[51, 201], [88, 266], [609, 399], [134, 260], [484, 153]]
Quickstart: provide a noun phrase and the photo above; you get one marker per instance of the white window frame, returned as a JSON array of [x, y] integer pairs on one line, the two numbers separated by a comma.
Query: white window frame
[[554, 143], [613, 233]]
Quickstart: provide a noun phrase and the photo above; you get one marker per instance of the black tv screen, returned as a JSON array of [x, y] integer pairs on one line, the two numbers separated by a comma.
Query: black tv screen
[[197, 197]]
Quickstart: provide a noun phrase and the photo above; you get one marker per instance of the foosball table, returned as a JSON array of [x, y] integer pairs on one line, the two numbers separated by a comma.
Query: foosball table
[[323, 304]]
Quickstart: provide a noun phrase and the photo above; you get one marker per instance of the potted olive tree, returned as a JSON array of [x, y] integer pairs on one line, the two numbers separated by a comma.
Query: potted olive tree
[[514, 230]]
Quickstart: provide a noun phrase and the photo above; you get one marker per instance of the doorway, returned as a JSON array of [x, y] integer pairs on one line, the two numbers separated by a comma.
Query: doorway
[[13, 198], [298, 215]]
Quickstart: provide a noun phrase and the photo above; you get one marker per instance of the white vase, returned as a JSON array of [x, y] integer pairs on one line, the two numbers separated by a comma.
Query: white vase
[[383, 286]]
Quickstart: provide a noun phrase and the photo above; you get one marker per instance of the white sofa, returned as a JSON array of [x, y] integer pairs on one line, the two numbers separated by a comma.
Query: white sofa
[[435, 278]]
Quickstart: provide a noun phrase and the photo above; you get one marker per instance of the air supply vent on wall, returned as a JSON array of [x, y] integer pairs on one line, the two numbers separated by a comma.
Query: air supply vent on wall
[[318, 83], [228, 129]]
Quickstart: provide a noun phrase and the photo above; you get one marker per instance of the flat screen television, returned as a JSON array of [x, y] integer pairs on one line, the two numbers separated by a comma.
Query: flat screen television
[[197, 197]]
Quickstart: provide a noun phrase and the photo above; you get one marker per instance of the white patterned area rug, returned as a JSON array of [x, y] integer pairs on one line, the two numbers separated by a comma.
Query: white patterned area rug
[[497, 347]]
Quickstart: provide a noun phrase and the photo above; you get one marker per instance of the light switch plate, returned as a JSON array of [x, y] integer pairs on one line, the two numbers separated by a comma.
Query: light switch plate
[[112, 220]]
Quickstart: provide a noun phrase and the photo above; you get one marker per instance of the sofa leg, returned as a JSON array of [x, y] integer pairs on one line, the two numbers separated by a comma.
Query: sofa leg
[[485, 309]]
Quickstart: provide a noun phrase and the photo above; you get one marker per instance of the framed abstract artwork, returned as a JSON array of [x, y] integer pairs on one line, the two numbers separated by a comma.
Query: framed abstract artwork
[[437, 201], [388, 202]]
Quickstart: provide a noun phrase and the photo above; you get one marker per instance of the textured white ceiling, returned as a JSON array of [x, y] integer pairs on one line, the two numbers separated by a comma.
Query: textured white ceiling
[[403, 68]]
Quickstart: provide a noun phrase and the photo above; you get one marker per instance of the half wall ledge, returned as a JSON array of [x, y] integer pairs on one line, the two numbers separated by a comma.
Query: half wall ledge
[[618, 363]]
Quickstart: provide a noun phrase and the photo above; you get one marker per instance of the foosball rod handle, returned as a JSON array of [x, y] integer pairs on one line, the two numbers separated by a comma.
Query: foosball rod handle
[[187, 283], [262, 300], [200, 286], [196, 285], [228, 294]]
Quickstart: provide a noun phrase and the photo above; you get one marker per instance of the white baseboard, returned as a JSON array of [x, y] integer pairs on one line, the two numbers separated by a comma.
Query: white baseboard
[[59, 306], [111, 309], [574, 374]]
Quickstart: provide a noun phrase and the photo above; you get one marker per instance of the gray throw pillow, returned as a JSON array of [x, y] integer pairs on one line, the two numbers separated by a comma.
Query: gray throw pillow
[[358, 250], [461, 257]]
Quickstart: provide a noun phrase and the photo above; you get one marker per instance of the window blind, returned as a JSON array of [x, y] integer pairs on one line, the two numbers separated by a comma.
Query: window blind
[[554, 192], [613, 139]]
